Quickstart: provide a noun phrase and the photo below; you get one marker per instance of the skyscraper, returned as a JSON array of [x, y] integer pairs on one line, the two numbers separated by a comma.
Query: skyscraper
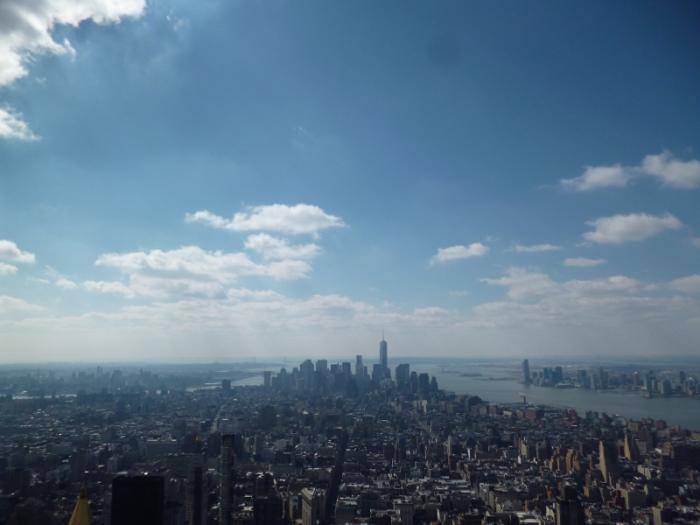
[[607, 460], [402, 375], [526, 372], [138, 499], [197, 512], [226, 475], [359, 367], [383, 355]]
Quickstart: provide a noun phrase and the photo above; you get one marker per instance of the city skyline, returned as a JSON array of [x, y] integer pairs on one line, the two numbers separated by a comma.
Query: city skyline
[[226, 181]]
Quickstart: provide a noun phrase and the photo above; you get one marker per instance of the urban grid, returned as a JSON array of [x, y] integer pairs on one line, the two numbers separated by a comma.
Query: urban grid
[[324, 444]]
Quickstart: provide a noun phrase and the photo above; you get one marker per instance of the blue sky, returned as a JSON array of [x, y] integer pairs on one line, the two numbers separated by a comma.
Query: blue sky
[[474, 178]]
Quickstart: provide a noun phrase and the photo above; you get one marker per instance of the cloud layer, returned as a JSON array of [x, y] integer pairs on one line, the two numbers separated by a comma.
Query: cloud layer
[[582, 262], [11, 253], [13, 127], [26, 28], [189, 270], [619, 229], [535, 248], [664, 167], [459, 251], [294, 220]]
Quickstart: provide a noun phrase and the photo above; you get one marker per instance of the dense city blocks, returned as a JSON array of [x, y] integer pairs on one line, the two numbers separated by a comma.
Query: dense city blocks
[[322, 443]]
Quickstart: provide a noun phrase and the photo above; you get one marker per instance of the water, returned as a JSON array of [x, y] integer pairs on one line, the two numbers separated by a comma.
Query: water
[[499, 383], [507, 389]]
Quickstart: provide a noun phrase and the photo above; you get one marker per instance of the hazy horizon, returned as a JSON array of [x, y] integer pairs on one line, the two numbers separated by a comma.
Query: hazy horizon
[[192, 182]]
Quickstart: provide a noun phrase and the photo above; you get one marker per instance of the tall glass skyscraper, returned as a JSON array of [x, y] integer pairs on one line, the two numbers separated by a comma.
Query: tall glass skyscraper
[[383, 354]]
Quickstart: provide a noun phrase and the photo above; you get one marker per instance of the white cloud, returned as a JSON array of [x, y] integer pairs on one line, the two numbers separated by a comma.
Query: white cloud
[[26, 27], [191, 270], [108, 287], [665, 167], [294, 220], [671, 171], [12, 126], [7, 269], [13, 305], [535, 248], [627, 228], [455, 253], [689, 284], [583, 262], [619, 304], [10, 252], [596, 177], [246, 293], [275, 248], [537, 314], [522, 283], [616, 283], [65, 284]]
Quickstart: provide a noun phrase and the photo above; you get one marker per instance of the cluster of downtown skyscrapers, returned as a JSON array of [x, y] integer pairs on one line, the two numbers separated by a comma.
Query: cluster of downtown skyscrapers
[[339, 377]]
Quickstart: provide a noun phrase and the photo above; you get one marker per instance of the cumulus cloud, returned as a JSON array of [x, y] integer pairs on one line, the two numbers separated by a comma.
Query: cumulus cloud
[[672, 171], [108, 287], [275, 248], [10, 252], [689, 284], [459, 251], [7, 269], [294, 220], [535, 248], [619, 229], [26, 28], [12, 126], [257, 313], [665, 167], [535, 299], [522, 283], [616, 283], [597, 177], [582, 262], [12, 305], [65, 284], [190, 270]]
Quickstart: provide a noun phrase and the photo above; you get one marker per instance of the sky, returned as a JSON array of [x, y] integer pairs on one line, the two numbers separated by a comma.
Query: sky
[[226, 180]]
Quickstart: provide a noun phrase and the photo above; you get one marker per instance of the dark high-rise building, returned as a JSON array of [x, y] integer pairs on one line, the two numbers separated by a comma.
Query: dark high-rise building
[[384, 355], [226, 384], [197, 510], [306, 371], [413, 382], [138, 500], [267, 378], [526, 372], [226, 477], [569, 512], [322, 366], [402, 375], [423, 384], [558, 374], [267, 510], [359, 367]]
